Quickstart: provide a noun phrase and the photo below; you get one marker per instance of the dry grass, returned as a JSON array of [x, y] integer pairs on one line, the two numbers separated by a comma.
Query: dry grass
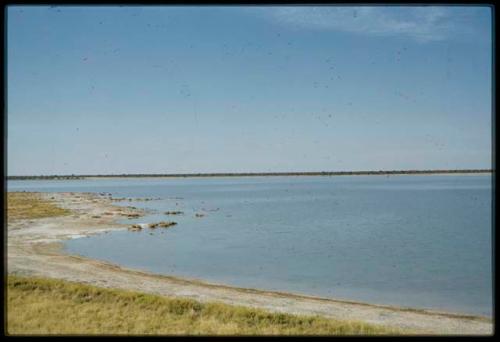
[[30, 205], [46, 306]]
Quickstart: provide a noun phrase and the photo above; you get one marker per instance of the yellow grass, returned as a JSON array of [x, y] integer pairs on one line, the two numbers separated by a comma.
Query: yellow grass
[[47, 306], [30, 205]]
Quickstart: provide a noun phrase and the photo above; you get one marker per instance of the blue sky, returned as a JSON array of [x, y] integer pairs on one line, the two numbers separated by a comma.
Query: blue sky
[[99, 90]]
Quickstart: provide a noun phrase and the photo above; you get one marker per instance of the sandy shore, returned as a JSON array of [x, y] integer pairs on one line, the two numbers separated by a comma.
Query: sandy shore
[[34, 247]]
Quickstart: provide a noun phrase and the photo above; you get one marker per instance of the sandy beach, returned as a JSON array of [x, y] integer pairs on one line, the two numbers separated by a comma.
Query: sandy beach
[[34, 247]]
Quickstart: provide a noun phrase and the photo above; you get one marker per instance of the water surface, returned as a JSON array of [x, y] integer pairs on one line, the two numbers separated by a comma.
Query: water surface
[[421, 241]]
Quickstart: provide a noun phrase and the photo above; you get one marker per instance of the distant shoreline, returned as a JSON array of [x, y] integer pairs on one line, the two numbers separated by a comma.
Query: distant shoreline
[[253, 174]]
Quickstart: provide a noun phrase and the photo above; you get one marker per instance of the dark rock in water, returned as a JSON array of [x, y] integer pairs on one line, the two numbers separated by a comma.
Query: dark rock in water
[[173, 212], [166, 224], [161, 224], [199, 215], [135, 228]]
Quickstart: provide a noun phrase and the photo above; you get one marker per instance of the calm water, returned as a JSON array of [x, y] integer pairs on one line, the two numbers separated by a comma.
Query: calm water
[[418, 241]]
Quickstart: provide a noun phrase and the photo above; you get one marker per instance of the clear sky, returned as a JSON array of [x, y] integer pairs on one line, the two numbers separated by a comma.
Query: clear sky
[[100, 90]]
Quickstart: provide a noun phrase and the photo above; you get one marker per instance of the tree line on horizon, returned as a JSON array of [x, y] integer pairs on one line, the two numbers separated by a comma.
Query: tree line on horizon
[[235, 174]]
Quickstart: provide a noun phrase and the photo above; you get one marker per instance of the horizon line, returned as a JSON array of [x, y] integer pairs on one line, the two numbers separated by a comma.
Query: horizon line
[[235, 174]]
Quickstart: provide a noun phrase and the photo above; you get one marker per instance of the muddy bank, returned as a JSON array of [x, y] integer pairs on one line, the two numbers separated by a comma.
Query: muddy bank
[[34, 248]]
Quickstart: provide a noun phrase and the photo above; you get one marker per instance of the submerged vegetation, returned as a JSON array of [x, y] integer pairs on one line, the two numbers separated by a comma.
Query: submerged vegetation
[[31, 205], [48, 306]]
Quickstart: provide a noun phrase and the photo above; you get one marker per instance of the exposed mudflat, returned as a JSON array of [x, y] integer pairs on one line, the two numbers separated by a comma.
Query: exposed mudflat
[[34, 248]]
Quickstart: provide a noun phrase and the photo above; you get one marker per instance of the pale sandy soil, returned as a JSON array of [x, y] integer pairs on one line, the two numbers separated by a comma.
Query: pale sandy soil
[[34, 248]]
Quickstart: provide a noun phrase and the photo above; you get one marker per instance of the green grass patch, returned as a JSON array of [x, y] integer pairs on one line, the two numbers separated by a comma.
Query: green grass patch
[[30, 205], [48, 306]]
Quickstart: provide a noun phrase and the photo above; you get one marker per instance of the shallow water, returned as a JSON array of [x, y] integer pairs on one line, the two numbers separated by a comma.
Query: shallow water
[[419, 241]]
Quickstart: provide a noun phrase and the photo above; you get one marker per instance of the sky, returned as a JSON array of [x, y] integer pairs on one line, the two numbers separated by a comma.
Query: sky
[[178, 89]]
